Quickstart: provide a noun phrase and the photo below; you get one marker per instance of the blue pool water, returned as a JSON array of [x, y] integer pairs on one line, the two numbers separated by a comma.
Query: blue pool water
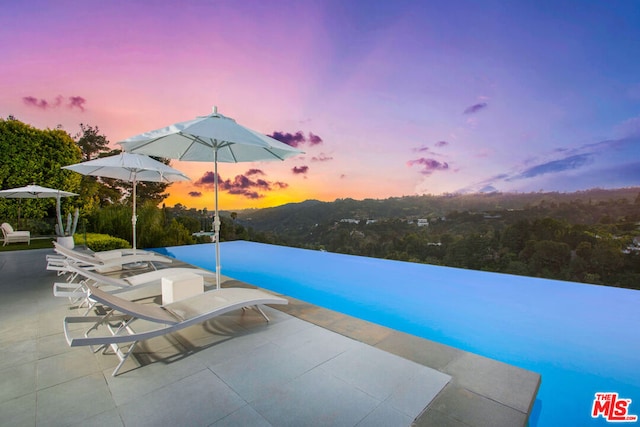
[[582, 339]]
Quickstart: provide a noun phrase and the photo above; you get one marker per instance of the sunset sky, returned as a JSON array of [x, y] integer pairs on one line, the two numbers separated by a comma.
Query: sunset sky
[[386, 98]]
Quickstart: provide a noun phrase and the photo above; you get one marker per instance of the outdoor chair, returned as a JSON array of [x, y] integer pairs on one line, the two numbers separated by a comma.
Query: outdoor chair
[[12, 236], [105, 254], [114, 327], [148, 283], [100, 261]]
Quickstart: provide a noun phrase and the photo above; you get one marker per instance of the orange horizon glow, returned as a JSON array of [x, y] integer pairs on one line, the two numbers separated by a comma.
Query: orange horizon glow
[[228, 202]]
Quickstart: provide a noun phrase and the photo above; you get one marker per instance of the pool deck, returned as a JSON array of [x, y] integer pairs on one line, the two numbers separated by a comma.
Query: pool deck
[[308, 366]]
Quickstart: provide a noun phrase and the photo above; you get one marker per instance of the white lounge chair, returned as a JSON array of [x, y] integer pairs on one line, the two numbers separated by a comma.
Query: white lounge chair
[[116, 324], [77, 291], [12, 236], [105, 254], [100, 261]]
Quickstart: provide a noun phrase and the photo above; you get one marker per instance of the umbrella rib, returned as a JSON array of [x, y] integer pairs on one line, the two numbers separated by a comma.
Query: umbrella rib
[[231, 153], [194, 140], [144, 144], [274, 154]]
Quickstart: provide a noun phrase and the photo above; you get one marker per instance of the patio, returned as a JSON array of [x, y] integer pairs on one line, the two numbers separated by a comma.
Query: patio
[[308, 366]]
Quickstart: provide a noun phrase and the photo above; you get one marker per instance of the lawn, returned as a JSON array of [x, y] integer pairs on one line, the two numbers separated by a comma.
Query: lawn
[[39, 243]]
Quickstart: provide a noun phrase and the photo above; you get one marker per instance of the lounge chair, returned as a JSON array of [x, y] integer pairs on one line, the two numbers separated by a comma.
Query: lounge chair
[[77, 291], [100, 261], [103, 254], [164, 319], [12, 236]]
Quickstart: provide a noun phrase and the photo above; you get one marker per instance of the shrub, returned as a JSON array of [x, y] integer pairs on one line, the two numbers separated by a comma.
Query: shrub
[[100, 242], [154, 229], [114, 220]]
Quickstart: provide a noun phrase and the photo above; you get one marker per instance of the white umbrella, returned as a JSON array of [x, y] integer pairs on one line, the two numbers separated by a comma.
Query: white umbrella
[[213, 138], [129, 167], [34, 192]]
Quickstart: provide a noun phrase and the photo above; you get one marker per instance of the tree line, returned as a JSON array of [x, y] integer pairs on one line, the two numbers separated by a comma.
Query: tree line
[[576, 237]]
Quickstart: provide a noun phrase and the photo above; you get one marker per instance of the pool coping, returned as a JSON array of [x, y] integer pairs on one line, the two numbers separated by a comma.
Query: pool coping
[[482, 391]]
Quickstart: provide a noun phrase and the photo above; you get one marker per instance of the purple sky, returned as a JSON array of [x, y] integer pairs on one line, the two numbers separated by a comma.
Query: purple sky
[[386, 98]]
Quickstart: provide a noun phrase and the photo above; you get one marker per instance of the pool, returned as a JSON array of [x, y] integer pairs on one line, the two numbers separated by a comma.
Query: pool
[[582, 339]]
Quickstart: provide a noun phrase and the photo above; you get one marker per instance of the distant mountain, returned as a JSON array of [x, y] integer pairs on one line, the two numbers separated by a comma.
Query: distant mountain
[[308, 213]]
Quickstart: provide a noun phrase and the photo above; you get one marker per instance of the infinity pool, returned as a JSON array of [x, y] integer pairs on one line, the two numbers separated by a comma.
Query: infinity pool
[[582, 339]]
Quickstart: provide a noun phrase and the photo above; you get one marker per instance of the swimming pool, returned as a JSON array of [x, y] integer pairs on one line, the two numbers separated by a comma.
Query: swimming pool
[[582, 339]]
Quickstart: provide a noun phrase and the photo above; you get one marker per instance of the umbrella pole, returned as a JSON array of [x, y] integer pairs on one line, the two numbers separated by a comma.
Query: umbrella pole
[[134, 218], [216, 219]]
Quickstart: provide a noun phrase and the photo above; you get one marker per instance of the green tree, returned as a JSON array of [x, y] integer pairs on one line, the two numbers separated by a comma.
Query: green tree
[[606, 258], [548, 229], [34, 156], [474, 252], [516, 236], [100, 191], [94, 192], [584, 250], [550, 256], [91, 142]]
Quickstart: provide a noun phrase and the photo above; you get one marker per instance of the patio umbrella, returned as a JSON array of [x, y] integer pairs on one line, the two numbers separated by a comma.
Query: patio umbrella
[[34, 192], [129, 167], [215, 138]]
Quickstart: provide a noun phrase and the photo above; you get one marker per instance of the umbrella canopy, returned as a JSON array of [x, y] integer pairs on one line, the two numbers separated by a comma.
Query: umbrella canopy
[[214, 138], [34, 192], [129, 167]]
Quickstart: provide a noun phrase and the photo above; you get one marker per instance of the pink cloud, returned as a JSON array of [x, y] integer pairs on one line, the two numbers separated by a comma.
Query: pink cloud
[[35, 102], [475, 108], [321, 158], [296, 139], [428, 166], [73, 102], [300, 170], [77, 102], [240, 185]]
